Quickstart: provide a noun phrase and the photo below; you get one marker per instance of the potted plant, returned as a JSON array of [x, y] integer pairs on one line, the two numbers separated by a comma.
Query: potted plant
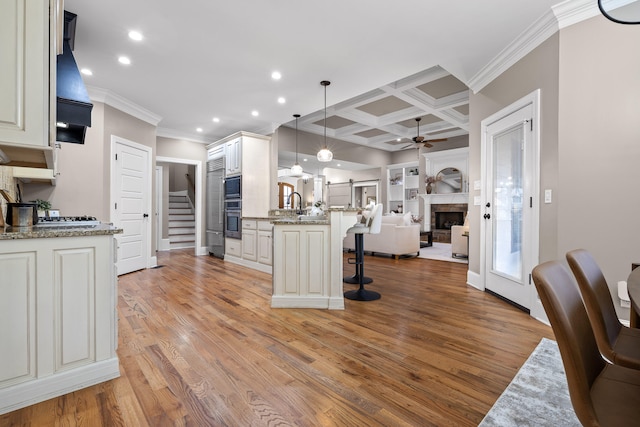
[[43, 206]]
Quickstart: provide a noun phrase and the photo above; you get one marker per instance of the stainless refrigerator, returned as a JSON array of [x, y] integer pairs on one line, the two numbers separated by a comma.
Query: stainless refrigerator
[[215, 207]]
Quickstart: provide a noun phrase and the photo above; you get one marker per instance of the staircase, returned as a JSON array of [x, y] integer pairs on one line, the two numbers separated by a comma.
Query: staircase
[[182, 224]]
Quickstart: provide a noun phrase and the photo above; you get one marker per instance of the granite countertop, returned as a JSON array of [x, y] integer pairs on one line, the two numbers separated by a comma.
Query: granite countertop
[[38, 232], [291, 221]]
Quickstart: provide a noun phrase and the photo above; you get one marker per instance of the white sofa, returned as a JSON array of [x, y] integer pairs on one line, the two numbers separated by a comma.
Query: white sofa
[[395, 237]]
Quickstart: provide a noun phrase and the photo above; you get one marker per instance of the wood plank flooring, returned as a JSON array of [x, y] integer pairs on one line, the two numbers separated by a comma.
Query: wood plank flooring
[[199, 345]]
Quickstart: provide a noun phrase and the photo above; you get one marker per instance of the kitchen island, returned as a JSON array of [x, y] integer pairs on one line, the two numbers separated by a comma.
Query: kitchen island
[[58, 324], [307, 260]]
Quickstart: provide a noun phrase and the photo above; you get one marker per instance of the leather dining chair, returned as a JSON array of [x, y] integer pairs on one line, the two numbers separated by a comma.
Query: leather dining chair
[[601, 394], [617, 343]]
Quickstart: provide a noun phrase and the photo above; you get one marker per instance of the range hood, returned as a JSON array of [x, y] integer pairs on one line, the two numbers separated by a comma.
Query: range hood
[[73, 106]]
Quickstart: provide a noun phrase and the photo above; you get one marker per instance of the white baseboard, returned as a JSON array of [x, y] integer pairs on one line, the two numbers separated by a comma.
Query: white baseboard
[[203, 250], [299, 302], [153, 262], [165, 245], [250, 264], [41, 389], [475, 280]]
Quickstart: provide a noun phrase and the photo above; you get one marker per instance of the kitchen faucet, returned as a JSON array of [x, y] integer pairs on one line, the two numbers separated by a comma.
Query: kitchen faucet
[[299, 211]]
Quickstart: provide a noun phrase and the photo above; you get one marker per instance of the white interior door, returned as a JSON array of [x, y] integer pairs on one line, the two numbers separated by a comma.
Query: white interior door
[[131, 203], [510, 204]]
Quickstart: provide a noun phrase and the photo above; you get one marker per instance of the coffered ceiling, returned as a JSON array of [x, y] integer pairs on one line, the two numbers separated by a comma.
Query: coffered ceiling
[[384, 118]]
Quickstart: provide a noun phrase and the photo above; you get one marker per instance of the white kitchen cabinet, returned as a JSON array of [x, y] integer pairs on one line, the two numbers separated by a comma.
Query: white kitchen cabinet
[[57, 317], [249, 240], [233, 161], [233, 247], [301, 269], [24, 81], [265, 242]]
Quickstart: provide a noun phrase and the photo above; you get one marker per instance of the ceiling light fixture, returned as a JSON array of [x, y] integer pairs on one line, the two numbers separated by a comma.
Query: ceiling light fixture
[[255, 113], [296, 169], [135, 35], [276, 75], [86, 72], [124, 60], [216, 120], [198, 129], [325, 155], [282, 100]]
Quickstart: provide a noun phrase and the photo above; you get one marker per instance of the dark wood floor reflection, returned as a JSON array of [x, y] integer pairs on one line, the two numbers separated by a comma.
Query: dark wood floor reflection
[[200, 345]]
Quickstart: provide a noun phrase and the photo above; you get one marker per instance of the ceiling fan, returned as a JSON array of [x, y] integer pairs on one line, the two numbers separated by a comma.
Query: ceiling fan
[[421, 140]]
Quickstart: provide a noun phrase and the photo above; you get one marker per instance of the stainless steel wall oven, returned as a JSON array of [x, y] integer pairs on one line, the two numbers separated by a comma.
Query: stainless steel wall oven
[[233, 219]]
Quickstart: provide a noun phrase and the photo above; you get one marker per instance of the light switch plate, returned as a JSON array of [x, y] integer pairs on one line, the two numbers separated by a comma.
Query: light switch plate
[[547, 196], [476, 200], [476, 184]]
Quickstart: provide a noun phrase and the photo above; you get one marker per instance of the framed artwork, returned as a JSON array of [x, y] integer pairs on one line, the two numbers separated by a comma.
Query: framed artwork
[[413, 193]]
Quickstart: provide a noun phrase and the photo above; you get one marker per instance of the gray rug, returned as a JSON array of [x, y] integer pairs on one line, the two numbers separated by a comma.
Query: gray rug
[[538, 394]]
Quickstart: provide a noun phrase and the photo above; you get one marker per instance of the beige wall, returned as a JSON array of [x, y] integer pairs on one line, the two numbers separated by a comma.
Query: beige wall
[[599, 147], [538, 70]]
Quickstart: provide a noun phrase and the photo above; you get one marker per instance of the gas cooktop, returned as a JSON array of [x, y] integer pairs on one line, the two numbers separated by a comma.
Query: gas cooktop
[[68, 221]]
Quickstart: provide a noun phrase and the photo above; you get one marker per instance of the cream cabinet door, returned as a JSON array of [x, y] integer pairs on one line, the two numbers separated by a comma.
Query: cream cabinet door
[[24, 76], [17, 318], [265, 250]]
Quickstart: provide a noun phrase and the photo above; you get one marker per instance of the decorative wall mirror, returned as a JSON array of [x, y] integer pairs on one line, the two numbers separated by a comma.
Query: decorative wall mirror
[[621, 11], [449, 180]]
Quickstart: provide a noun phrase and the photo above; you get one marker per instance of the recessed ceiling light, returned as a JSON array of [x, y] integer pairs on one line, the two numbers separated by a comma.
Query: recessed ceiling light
[[216, 120], [124, 60], [86, 72], [399, 139], [338, 165], [198, 129], [135, 35], [254, 113], [304, 160], [281, 100], [276, 75]]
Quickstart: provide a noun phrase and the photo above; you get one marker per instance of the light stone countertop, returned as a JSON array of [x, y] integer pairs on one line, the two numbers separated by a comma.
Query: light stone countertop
[[37, 232]]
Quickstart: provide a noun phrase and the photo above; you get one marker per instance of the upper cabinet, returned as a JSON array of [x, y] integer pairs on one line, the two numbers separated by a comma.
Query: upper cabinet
[[248, 154], [233, 163], [24, 80]]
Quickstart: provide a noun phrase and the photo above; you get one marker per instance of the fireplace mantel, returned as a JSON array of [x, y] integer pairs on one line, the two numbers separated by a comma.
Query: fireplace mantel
[[445, 199]]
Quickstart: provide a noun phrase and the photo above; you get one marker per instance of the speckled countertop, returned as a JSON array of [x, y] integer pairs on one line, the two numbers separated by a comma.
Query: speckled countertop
[[37, 232]]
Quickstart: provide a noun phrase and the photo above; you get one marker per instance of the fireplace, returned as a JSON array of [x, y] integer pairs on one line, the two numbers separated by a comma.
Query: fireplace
[[443, 217], [445, 220]]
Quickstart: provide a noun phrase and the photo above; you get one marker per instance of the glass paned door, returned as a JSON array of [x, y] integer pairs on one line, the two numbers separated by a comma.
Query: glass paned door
[[507, 203]]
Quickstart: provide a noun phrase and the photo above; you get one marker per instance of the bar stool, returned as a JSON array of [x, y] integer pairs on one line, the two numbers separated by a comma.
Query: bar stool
[[355, 279], [372, 226]]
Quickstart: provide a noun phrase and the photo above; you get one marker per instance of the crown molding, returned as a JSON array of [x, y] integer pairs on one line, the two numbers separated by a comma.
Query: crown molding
[[559, 16], [120, 103], [174, 134]]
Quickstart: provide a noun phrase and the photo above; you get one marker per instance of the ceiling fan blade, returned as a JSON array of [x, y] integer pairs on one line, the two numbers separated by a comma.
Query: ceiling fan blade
[[426, 144], [436, 140]]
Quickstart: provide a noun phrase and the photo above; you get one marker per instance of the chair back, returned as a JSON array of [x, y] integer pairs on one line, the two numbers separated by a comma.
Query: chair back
[[376, 219], [581, 358], [597, 300]]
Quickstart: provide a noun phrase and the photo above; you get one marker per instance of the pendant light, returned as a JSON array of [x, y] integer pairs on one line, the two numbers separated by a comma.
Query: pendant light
[[296, 170], [325, 155]]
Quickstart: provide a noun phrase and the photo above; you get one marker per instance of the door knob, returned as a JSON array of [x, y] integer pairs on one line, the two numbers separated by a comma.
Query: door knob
[[487, 216], [488, 205], [145, 215]]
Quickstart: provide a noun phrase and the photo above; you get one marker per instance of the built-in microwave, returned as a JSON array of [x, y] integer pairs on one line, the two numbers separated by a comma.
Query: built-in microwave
[[233, 187]]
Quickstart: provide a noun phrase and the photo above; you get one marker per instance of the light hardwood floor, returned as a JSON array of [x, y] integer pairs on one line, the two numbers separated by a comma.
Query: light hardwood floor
[[199, 345]]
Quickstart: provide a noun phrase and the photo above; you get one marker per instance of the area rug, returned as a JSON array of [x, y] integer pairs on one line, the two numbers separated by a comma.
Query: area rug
[[440, 252], [537, 396]]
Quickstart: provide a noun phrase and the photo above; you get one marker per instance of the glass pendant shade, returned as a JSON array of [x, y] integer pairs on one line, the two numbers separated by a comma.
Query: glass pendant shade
[[296, 171], [325, 155]]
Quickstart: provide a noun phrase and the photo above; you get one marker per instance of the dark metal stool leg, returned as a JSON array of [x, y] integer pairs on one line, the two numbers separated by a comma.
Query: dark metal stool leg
[[355, 279], [361, 294]]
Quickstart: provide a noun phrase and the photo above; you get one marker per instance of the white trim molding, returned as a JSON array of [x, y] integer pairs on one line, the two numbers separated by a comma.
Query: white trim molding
[[118, 102], [559, 16]]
